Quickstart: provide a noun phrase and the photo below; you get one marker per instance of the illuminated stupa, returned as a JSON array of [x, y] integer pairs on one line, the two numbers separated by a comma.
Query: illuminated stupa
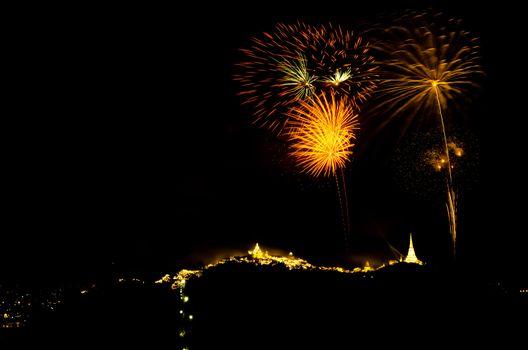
[[411, 255], [367, 267], [257, 253]]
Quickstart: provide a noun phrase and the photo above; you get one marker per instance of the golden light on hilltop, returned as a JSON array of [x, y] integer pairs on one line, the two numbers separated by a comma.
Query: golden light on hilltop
[[257, 253], [259, 258], [181, 278], [165, 279], [367, 267]]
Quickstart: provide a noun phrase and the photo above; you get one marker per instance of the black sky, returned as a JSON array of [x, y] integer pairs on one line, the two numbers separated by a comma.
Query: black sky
[[126, 143]]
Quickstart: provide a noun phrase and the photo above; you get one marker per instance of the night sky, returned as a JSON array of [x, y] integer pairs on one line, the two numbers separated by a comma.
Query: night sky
[[126, 143]]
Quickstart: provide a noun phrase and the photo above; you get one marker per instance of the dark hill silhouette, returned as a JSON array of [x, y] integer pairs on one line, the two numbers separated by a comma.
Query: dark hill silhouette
[[249, 306], [404, 304]]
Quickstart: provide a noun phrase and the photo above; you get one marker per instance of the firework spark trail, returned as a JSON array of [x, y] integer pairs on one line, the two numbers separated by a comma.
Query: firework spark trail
[[445, 139], [296, 61], [346, 206], [451, 199], [451, 214], [341, 206]]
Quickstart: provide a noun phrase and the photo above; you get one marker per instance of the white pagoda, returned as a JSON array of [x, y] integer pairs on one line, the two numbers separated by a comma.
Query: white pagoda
[[411, 255]]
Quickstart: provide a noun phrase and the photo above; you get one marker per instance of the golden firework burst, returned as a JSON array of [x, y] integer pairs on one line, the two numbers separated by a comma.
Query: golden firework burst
[[424, 66], [321, 132]]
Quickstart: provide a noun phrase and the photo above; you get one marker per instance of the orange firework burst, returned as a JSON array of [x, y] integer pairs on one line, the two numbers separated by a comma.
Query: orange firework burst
[[321, 132], [296, 61]]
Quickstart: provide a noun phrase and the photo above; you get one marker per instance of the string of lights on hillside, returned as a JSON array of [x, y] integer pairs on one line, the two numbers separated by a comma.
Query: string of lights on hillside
[[257, 256]]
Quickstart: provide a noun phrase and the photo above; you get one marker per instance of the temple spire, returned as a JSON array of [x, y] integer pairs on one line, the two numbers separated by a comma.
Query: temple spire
[[257, 253], [411, 255]]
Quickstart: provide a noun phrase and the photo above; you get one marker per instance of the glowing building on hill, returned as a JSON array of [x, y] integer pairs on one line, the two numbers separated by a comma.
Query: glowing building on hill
[[411, 255], [257, 253], [367, 267]]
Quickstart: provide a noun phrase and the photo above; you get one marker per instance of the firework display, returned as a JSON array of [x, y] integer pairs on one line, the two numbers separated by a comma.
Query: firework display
[[295, 62], [310, 83], [428, 65], [425, 63], [321, 132]]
